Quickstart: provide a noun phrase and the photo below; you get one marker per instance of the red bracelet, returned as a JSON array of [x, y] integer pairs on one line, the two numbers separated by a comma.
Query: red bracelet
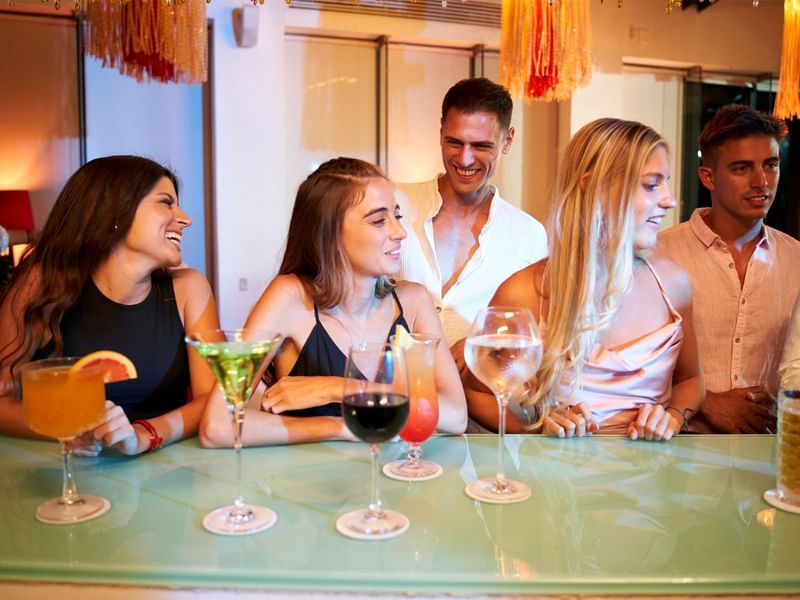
[[156, 441]]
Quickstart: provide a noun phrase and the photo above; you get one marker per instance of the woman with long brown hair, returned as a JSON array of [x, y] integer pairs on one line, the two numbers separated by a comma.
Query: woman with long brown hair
[[105, 275], [333, 291]]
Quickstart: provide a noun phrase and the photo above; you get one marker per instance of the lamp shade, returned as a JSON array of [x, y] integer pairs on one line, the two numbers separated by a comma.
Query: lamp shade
[[15, 210]]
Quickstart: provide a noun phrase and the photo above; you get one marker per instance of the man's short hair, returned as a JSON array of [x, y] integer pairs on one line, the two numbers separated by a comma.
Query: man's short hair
[[734, 122], [479, 95]]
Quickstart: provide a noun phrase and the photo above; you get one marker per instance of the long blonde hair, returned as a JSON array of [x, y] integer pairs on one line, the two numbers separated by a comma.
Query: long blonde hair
[[591, 244]]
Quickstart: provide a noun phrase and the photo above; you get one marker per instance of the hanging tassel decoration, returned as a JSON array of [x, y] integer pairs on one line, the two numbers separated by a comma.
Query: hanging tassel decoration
[[787, 103], [149, 39], [545, 48]]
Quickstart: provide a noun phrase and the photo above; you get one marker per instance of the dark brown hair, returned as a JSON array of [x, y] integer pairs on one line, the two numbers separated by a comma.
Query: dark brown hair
[[479, 95], [734, 122], [314, 248], [92, 214]]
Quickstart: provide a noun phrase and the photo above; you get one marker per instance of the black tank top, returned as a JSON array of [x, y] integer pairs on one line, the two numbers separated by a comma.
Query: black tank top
[[149, 333], [321, 356]]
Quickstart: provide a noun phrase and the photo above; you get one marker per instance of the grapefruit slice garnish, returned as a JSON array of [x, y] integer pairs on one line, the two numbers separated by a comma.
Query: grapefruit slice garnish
[[115, 366]]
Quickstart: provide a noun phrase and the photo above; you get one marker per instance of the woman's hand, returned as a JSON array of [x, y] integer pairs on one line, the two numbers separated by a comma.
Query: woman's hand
[[116, 431], [294, 393], [653, 423], [571, 421], [86, 445]]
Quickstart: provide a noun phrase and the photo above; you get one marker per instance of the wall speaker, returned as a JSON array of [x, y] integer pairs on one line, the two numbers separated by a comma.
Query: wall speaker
[[245, 25]]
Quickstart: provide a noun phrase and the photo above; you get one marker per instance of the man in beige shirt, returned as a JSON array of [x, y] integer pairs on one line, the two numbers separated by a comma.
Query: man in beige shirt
[[744, 274]]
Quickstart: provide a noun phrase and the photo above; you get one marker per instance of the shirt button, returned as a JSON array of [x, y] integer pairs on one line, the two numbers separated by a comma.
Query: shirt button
[[736, 378], [744, 301], [438, 309], [731, 265], [737, 340]]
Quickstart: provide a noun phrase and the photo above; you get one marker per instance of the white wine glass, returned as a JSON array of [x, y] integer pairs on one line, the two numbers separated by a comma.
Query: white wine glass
[[503, 350], [375, 408], [238, 359]]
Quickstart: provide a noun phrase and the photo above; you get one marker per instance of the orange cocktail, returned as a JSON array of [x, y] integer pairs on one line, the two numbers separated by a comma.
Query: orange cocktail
[[61, 404], [423, 414]]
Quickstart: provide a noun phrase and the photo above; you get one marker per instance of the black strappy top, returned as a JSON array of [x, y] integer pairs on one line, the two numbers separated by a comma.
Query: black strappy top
[[149, 333], [320, 356]]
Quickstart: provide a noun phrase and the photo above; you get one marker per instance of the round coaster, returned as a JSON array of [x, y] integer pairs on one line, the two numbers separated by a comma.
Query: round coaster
[[432, 471], [53, 512], [773, 497], [341, 526], [481, 490], [217, 521]]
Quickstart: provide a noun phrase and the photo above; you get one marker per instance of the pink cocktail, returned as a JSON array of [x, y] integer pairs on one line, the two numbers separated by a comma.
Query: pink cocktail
[[423, 415]]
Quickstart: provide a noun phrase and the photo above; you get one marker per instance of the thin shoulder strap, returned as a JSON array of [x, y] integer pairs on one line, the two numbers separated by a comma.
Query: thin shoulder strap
[[316, 314], [399, 306], [660, 286]]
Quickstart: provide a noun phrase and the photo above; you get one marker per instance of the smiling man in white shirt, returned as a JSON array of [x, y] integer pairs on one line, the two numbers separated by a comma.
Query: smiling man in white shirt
[[463, 239]]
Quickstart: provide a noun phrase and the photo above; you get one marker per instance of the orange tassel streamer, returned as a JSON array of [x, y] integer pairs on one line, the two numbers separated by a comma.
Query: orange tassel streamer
[[154, 40], [787, 103], [545, 47]]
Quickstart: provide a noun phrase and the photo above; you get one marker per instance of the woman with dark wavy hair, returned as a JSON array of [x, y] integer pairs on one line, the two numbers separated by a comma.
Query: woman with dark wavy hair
[[105, 275], [333, 291]]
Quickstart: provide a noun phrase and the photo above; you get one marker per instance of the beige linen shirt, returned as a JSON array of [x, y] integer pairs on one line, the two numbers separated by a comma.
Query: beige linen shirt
[[790, 363], [740, 328]]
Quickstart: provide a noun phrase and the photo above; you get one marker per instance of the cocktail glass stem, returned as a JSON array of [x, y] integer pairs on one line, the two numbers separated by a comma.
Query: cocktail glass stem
[[69, 490], [414, 455], [240, 513], [375, 510], [500, 482]]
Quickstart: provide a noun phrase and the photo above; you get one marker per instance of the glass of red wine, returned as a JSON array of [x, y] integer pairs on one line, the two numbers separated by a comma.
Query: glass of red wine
[[375, 408]]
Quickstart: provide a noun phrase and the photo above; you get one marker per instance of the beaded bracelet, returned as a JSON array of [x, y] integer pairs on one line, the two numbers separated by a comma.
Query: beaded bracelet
[[684, 416], [156, 441]]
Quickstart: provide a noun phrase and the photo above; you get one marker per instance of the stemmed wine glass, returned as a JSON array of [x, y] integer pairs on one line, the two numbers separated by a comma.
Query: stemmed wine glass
[[60, 402], [503, 350], [375, 408], [419, 350], [238, 358]]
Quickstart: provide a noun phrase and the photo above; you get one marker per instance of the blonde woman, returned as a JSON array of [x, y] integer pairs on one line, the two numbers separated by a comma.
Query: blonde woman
[[620, 354]]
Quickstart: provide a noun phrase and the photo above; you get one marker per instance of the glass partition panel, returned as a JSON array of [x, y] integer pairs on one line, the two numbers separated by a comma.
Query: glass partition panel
[[331, 105], [418, 77]]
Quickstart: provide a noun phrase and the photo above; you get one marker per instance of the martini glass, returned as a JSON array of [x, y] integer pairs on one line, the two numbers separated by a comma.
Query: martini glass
[[238, 358], [60, 403], [503, 350]]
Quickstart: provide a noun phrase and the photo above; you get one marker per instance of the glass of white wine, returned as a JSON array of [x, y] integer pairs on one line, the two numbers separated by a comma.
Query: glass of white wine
[[503, 350]]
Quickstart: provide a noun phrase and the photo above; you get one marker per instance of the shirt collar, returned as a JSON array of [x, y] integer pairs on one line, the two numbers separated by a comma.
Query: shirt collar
[[707, 235]]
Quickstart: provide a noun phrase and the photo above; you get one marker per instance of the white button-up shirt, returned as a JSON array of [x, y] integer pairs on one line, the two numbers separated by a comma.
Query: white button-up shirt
[[509, 241], [740, 327]]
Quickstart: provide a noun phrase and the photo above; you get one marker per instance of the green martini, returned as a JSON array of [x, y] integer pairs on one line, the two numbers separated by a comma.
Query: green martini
[[238, 359]]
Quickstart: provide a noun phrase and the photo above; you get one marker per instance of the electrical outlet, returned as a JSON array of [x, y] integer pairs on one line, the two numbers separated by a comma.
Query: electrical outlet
[[243, 284]]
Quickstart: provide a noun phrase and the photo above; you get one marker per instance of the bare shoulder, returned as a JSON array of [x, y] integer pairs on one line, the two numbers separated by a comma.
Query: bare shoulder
[[189, 279], [285, 295], [411, 291], [523, 288], [674, 279]]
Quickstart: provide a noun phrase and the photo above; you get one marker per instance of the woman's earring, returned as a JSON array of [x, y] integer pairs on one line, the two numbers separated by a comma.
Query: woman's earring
[[116, 227]]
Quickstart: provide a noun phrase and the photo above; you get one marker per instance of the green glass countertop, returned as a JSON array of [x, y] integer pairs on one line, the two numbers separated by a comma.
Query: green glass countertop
[[607, 515]]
